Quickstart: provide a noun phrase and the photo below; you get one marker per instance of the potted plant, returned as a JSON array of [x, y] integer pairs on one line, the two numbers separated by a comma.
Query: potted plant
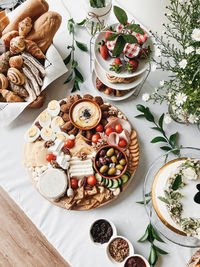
[[178, 53]]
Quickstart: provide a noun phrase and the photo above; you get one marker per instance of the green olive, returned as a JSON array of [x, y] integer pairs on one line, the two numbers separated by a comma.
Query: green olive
[[114, 159], [120, 167], [116, 151], [110, 152], [122, 162], [111, 171], [103, 169]]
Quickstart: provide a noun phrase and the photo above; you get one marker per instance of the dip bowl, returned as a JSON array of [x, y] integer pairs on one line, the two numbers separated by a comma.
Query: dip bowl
[[82, 101]]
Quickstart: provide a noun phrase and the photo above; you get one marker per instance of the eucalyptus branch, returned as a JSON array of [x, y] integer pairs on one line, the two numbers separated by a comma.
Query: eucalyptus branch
[[75, 73]]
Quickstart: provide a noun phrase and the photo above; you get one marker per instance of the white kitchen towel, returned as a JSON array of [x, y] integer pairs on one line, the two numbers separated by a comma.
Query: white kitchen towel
[[54, 67]]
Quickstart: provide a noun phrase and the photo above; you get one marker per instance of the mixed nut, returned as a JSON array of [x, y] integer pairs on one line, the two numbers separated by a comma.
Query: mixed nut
[[119, 249], [110, 161]]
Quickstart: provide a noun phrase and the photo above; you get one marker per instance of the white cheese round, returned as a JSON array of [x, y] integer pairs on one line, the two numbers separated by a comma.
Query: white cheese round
[[52, 183]]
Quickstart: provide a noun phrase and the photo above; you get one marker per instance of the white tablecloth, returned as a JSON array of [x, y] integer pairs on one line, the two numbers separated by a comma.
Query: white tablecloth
[[68, 230]]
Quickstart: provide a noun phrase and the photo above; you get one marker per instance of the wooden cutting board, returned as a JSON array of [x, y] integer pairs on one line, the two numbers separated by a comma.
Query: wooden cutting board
[[21, 243]]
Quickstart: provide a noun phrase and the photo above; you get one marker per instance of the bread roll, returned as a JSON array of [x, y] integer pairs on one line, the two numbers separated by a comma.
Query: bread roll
[[38, 102], [31, 8], [44, 29]]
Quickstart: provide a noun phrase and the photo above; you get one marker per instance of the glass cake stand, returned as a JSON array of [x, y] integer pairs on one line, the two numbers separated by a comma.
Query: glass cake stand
[[186, 152]]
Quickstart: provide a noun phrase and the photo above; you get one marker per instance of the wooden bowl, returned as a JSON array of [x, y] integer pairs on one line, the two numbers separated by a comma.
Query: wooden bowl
[[85, 100], [120, 150]]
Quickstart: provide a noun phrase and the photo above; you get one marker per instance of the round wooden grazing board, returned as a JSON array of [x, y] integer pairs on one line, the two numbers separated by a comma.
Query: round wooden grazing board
[[132, 166]]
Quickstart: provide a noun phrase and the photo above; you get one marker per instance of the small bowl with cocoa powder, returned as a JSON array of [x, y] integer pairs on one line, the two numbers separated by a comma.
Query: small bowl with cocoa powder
[[119, 249]]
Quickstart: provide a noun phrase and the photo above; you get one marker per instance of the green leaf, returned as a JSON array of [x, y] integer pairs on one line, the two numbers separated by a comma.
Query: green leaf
[[159, 250], [177, 182], [148, 115], [140, 116], [79, 77], [163, 199], [156, 236], [144, 202], [158, 139], [135, 28], [173, 139], [74, 64], [165, 148], [153, 257], [97, 3], [75, 87], [112, 37], [119, 46], [70, 26], [141, 108], [160, 122], [82, 46], [82, 22], [145, 236], [129, 38], [120, 15], [150, 237], [69, 78], [67, 59], [148, 194]]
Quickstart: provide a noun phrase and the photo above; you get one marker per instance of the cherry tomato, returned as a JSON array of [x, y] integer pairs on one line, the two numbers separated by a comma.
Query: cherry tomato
[[99, 128], [69, 143], [122, 142], [74, 183], [95, 138], [118, 128], [109, 130], [50, 157], [91, 180]]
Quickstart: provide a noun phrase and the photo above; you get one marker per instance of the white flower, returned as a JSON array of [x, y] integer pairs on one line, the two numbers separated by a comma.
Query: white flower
[[192, 118], [198, 51], [189, 174], [196, 35], [167, 119], [183, 63], [169, 95], [145, 97], [189, 50], [153, 67], [158, 52], [162, 83], [169, 14], [180, 99]]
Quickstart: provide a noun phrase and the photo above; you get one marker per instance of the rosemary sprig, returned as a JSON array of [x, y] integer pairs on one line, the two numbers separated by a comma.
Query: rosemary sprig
[[151, 235], [171, 141], [75, 73]]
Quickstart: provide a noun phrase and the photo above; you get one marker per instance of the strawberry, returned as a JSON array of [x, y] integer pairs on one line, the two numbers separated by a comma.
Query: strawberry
[[108, 33], [103, 49], [116, 65], [132, 65]]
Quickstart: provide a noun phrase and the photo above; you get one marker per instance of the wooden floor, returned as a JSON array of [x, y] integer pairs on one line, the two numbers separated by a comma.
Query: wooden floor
[[21, 243]]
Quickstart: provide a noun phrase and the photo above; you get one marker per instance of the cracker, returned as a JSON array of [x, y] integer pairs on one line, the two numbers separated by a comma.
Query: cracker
[[133, 142], [133, 134]]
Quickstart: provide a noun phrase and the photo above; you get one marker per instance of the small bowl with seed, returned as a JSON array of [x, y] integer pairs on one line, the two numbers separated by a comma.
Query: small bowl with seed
[[101, 231], [110, 162], [119, 249]]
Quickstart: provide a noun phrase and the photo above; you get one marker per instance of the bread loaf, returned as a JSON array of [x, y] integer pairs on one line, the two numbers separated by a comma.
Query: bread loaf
[[31, 8], [44, 29]]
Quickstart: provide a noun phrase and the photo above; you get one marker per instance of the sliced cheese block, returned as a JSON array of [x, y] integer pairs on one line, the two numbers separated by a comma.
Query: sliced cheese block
[[52, 183], [80, 168]]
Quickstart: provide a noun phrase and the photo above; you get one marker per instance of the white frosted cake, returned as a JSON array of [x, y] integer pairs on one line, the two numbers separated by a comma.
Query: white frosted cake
[[176, 196]]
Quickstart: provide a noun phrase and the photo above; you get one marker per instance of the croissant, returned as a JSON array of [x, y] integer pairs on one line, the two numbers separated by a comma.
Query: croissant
[[17, 45], [8, 37], [4, 62], [16, 62], [33, 49], [25, 26], [10, 96], [3, 81]]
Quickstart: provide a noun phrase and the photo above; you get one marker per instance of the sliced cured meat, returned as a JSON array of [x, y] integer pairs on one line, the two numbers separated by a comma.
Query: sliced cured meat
[[112, 121], [113, 139]]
